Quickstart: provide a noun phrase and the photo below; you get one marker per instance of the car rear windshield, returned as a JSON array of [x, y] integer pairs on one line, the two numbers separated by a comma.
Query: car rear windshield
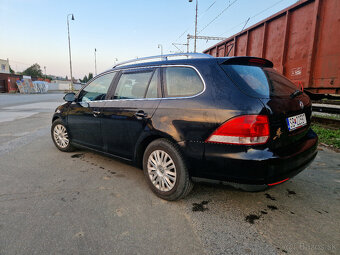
[[260, 82]]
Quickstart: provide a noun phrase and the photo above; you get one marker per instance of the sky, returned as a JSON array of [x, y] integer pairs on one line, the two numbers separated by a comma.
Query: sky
[[35, 31]]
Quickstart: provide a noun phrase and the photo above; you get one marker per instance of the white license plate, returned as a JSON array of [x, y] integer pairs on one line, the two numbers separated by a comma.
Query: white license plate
[[296, 121]]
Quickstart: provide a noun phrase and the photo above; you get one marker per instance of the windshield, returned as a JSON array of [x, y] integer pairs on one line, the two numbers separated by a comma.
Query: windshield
[[261, 82]]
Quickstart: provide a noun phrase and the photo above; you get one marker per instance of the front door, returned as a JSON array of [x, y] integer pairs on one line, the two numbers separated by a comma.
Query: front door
[[84, 115]]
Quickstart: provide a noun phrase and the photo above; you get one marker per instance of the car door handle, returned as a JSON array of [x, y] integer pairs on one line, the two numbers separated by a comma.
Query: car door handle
[[96, 113], [141, 115]]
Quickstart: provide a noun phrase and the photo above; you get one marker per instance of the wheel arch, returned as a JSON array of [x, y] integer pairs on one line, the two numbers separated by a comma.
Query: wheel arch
[[55, 118], [144, 141]]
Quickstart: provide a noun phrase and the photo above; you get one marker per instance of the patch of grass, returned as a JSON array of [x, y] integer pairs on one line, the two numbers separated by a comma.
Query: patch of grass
[[328, 136]]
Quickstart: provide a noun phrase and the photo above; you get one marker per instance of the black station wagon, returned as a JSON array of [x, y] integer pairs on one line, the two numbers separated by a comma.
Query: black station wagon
[[198, 118]]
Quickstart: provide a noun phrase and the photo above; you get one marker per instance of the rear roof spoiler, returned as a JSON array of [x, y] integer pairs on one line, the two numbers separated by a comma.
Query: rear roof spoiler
[[249, 61]]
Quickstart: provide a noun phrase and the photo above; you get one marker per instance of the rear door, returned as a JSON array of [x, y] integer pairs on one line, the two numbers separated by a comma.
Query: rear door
[[84, 115], [288, 108], [290, 111], [128, 114]]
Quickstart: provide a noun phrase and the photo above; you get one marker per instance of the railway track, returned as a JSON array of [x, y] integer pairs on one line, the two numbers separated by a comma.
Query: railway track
[[326, 108], [327, 114]]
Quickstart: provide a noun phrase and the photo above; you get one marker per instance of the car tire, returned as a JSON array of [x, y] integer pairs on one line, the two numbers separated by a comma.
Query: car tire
[[61, 137], [165, 170]]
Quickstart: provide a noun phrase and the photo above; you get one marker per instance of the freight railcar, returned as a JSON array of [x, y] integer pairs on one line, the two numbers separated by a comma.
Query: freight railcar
[[303, 42]]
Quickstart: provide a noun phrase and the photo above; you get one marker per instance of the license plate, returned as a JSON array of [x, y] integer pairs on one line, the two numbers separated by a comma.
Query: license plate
[[296, 121]]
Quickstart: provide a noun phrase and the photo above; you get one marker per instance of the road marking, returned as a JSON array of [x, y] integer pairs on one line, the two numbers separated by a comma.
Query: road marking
[[23, 140], [10, 116], [38, 106]]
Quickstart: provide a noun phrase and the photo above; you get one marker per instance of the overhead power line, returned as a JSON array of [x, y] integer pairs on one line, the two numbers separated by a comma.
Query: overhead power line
[[245, 24], [206, 10], [199, 16], [218, 15], [257, 14]]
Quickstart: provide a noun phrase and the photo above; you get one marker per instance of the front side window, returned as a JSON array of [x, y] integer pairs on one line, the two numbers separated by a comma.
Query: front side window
[[182, 81], [133, 85], [97, 89]]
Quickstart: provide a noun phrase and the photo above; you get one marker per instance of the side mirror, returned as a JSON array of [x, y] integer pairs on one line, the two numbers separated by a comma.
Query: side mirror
[[70, 97]]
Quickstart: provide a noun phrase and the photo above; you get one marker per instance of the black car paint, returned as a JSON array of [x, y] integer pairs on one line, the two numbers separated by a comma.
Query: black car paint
[[84, 125], [188, 122]]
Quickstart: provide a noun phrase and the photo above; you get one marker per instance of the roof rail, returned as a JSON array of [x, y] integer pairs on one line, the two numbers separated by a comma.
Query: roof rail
[[164, 58]]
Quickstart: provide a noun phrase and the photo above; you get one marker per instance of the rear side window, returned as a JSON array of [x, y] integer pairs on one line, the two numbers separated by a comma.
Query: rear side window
[[133, 85], [153, 86], [97, 89], [182, 81], [258, 81]]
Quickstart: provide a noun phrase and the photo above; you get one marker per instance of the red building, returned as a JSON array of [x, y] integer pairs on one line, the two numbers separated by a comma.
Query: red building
[[8, 82]]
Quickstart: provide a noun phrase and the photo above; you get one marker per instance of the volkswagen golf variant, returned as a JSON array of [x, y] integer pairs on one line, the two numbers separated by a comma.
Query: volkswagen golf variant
[[193, 117]]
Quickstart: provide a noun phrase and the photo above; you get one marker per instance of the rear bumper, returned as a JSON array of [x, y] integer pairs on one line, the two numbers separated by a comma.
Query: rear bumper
[[257, 166]]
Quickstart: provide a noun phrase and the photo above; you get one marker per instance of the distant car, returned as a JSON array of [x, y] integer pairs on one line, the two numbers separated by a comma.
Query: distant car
[[201, 118]]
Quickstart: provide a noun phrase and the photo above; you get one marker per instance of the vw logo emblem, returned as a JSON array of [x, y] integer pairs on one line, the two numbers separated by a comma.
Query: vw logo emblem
[[301, 104]]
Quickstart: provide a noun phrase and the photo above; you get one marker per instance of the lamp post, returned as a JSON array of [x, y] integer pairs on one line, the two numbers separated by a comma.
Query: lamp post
[[95, 61], [195, 24], [161, 46], [69, 48]]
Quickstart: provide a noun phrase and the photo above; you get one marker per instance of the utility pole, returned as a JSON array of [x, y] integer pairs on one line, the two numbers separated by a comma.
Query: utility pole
[[202, 37], [195, 24], [196, 27], [45, 72], [161, 46], [95, 61], [187, 45], [69, 48]]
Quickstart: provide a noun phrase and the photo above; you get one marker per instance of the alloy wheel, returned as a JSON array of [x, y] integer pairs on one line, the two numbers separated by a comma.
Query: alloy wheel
[[162, 170], [60, 136]]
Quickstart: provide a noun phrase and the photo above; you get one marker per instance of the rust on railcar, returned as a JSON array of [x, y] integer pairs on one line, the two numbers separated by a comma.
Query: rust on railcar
[[303, 42]]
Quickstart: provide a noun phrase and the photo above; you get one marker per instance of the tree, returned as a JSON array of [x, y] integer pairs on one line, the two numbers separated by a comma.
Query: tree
[[90, 76], [11, 70], [87, 78], [33, 71], [84, 80]]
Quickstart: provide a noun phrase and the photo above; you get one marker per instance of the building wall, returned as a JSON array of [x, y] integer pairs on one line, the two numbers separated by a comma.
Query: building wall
[[4, 66]]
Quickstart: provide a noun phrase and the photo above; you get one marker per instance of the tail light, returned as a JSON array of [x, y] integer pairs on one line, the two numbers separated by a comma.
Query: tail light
[[245, 130]]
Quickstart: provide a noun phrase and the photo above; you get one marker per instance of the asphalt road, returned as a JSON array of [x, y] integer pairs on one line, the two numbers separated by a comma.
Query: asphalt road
[[85, 203]]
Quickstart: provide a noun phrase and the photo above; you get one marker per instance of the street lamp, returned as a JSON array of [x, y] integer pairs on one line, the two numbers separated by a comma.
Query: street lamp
[[95, 61], [69, 48], [195, 24], [161, 46]]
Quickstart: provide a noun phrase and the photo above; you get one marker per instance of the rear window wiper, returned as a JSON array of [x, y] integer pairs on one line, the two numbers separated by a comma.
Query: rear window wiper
[[295, 94]]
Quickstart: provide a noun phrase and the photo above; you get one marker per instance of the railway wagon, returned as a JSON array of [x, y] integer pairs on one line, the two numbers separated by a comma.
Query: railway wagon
[[303, 42]]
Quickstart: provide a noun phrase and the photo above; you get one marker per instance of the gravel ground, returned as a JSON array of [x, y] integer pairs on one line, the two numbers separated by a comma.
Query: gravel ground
[[86, 203]]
